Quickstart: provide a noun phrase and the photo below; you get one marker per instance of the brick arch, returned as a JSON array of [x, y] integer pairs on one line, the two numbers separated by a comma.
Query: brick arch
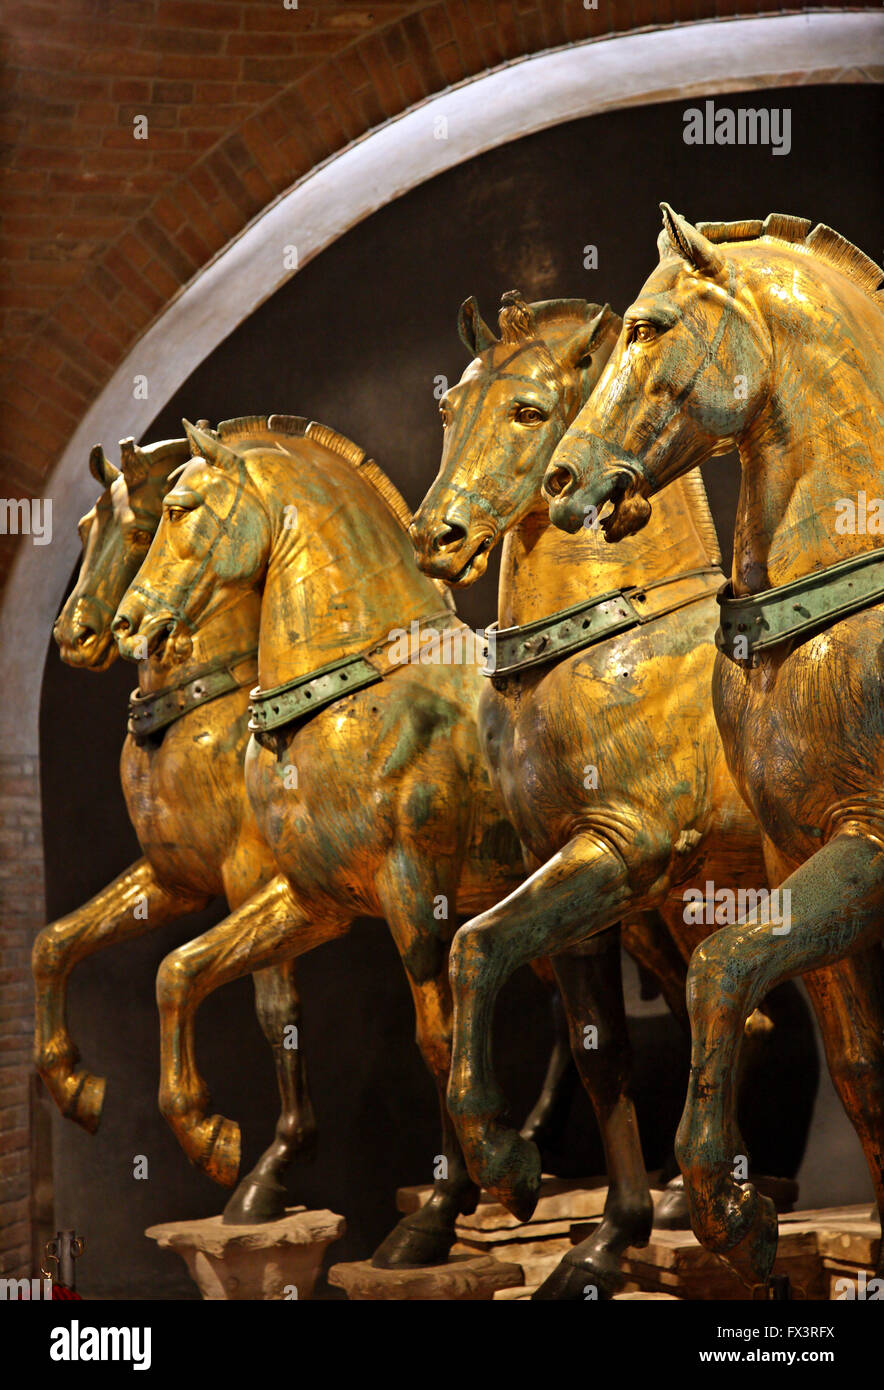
[[102, 235]]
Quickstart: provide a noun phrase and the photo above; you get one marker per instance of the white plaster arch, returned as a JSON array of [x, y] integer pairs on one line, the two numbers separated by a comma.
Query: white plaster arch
[[516, 99]]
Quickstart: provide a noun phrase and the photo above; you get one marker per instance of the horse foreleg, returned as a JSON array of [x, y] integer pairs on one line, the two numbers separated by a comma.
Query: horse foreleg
[[271, 927], [835, 909], [592, 988], [408, 887], [579, 892], [849, 1003], [133, 904], [261, 1195]]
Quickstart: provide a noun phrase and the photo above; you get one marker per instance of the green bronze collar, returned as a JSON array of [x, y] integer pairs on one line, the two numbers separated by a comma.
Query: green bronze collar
[[515, 649], [150, 713], [270, 709], [753, 623]]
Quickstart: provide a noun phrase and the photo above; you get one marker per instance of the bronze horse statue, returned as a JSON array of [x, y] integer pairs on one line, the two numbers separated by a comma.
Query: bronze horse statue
[[769, 336], [599, 732], [364, 770], [182, 776]]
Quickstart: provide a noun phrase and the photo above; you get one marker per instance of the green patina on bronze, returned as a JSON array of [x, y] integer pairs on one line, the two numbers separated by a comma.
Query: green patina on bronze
[[658, 812], [795, 317], [805, 605]]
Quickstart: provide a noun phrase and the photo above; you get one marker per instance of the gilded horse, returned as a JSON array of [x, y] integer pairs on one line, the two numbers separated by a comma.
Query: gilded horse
[[769, 336], [182, 776], [364, 768], [599, 732]]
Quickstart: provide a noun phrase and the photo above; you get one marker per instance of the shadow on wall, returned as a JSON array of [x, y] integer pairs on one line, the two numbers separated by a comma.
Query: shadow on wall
[[362, 339]]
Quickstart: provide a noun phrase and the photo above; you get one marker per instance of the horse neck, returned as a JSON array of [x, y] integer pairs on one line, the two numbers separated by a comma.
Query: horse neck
[[815, 440], [544, 570], [226, 635], [339, 581]]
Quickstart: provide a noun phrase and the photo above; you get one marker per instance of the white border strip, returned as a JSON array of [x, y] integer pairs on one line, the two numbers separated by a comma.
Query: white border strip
[[530, 94]]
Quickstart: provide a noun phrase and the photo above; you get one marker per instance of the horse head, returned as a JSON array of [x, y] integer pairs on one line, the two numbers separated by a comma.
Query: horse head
[[116, 534], [502, 421], [210, 545]]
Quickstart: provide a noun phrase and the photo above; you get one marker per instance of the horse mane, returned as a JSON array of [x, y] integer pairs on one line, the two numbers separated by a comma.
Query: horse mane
[[519, 321], [701, 514], [823, 243], [270, 427]]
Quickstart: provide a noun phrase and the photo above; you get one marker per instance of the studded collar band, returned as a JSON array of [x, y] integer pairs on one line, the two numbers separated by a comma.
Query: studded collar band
[[515, 649], [150, 713], [754, 623]]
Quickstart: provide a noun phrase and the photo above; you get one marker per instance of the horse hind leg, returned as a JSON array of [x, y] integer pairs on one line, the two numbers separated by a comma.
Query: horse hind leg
[[835, 910], [546, 1121], [849, 1001], [408, 886], [261, 1195], [592, 989], [133, 904]]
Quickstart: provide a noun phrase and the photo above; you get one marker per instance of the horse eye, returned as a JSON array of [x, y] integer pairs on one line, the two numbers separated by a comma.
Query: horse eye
[[529, 415], [643, 333], [176, 513], [140, 538]]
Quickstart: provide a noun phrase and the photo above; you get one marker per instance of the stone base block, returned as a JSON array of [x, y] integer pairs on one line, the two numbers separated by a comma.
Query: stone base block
[[276, 1260], [463, 1278]]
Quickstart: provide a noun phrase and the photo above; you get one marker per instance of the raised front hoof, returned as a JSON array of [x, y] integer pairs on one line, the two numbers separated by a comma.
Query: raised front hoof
[[577, 1279], [509, 1170], [419, 1239], [256, 1200], [752, 1256], [214, 1146], [672, 1212], [83, 1099]]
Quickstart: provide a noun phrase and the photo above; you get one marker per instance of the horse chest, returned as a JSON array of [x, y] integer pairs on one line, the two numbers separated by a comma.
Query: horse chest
[[804, 734]]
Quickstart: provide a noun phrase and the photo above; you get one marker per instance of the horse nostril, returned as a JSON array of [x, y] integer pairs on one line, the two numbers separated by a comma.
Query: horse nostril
[[81, 633], [449, 536], [120, 625], [558, 480]]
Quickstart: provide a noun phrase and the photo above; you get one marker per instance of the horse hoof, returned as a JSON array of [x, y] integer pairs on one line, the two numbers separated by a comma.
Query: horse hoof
[[672, 1212], [87, 1101], [511, 1173], [753, 1255], [221, 1152], [576, 1280], [255, 1201], [414, 1242]]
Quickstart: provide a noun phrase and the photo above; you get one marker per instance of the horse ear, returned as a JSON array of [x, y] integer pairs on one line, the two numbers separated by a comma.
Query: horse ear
[[133, 463], [679, 237], [474, 332], [101, 467], [207, 446], [591, 335]]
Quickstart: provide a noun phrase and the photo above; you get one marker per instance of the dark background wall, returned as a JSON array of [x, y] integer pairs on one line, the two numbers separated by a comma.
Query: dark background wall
[[356, 340]]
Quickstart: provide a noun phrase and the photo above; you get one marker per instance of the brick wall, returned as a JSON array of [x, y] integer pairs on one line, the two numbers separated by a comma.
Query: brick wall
[[21, 913]]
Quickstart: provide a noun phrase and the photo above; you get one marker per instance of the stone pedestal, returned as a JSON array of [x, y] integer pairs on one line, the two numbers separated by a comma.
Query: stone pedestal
[[275, 1260], [825, 1254], [464, 1278]]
